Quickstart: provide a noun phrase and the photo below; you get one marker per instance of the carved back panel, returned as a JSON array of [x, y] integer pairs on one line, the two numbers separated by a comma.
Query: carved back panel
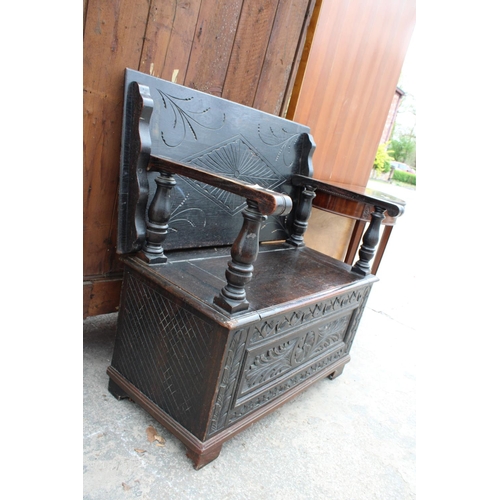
[[220, 136]]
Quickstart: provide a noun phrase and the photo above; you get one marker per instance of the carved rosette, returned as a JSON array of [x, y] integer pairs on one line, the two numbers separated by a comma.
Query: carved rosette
[[235, 158]]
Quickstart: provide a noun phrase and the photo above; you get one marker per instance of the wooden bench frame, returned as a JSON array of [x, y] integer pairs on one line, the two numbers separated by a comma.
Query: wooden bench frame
[[208, 360]]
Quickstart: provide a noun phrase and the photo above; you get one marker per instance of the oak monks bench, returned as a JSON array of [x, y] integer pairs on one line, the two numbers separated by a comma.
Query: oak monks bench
[[225, 313]]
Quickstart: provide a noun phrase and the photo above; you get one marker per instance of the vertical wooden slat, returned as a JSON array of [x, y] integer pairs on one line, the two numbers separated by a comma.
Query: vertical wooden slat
[[339, 99], [373, 94], [280, 55], [169, 38], [359, 86], [213, 43], [114, 31], [247, 57], [85, 6], [311, 94]]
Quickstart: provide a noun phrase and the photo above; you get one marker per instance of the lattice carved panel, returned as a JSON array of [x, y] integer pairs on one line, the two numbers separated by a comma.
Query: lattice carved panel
[[162, 348]]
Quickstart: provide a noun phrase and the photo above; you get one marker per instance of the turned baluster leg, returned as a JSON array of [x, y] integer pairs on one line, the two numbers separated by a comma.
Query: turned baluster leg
[[370, 241], [158, 215], [302, 214], [244, 252]]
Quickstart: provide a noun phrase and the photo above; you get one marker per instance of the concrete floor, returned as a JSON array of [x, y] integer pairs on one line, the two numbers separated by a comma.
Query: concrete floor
[[350, 438]]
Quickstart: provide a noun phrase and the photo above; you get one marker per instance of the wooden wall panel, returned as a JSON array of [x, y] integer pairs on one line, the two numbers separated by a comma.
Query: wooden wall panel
[[239, 48], [169, 38], [351, 74], [247, 58], [113, 39], [281, 54], [212, 45]]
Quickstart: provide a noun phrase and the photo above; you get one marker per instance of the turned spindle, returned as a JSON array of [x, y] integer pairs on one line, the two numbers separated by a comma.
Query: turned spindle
[[370, 241], [158, 216], [302, 214], [244, 252]]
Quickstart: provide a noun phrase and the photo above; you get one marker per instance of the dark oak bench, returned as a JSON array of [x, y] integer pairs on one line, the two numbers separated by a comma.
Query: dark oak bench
[[225, 314]]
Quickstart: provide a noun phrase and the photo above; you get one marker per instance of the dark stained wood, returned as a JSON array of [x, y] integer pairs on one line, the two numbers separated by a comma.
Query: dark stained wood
[[359, 204], [244, 252], [357, 234], [266, 201], [211, 134], [318, 274], [214, 335], [370, 242], [366, 196], [159, 213]]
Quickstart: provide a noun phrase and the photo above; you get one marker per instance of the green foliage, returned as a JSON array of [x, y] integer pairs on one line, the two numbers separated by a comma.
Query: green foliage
[[383, 159], [406, 177], [404, 149]]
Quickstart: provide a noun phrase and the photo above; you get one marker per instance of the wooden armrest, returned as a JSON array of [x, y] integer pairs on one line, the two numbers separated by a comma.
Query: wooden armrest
[[269, 202], [394, 206]]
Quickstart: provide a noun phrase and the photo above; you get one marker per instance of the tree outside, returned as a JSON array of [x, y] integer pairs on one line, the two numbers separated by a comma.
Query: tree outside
[[403, 142]]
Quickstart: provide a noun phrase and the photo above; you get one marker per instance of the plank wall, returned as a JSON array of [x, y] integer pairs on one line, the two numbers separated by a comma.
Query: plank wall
[[244, 50]]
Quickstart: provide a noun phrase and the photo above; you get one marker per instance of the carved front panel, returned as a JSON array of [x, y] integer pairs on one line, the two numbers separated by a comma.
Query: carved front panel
[[267, 359], [268, 362], [281, 323]]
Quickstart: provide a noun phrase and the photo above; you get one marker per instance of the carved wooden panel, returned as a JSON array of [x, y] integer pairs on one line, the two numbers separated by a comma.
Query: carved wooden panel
[[163, 349], [267, 362], [225, 138], [268, 358]]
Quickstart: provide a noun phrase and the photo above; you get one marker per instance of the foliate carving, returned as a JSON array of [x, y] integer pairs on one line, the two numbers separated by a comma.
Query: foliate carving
[[283, 387], [183, 120], [279, 359], [228, 382], [270, 364], [194, 217], [280, 324], [327, 343], [282, 139]]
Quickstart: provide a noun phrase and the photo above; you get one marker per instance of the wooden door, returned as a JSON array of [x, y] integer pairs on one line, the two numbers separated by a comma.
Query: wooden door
[[343, 92]]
